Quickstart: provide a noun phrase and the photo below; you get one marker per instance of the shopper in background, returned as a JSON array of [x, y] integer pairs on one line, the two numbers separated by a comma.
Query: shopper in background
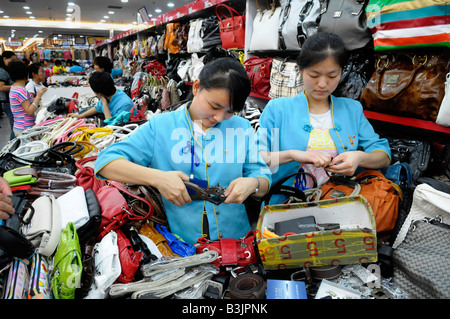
[[47, 68], [5, 85], [23, 105], [112, 100], [6, 206], [73, 66], [36, 75], [172, 148], [317, 132], [58, 67], [102, 63]]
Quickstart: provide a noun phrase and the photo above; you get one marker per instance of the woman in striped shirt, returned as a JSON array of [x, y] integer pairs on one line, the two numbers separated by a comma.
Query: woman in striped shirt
[[23, 106]]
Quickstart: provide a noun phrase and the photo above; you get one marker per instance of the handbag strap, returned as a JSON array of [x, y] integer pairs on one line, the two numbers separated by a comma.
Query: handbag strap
[[123, 189], [279, 188], [380, 70], [221, 15]]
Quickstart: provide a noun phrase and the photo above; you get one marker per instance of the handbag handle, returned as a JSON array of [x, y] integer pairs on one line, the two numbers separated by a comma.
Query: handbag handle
[[279, 188], [381, 70], [221, 15]]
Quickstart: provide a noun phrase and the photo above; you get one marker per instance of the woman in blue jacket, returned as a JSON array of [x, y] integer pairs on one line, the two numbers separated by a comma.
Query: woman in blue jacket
[[202, 142], [315, 131]]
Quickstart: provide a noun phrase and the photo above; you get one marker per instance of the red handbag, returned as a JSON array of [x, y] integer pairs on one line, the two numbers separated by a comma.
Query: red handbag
[[129, 259], [138, 112], [155, 68], [258, 70], [232, 252], [85, 175], [115, 209], [73, 105], [231, 28]]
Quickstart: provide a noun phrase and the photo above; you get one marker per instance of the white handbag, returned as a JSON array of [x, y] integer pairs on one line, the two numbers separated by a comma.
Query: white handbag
[[298, 21], [107, 266], [42, 225], [265, 28], [73, 208], [443, 117], [194, 42]]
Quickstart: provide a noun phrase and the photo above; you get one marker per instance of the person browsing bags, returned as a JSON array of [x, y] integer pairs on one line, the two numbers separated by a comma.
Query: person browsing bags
[[23, 105], [36, 75], [315, 131], [202, 142], [112, 100], [5, 84]]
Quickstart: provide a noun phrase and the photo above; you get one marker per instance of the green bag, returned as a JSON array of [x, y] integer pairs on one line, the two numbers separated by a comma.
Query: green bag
[[20, 176], [67, 264]]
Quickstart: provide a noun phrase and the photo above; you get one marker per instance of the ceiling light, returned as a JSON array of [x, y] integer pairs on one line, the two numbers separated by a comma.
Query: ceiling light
[[150, 15], [110, 12], [6, 17], [1, 11], [106, 17], [124, 1], [158, 10], [170, 4], [39, 31], [26, 7], [70, 3], [29, 12], [102, 20], [32, 17]]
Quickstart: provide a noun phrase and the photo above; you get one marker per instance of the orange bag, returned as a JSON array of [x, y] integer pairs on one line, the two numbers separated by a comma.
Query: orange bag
[[382, 194]]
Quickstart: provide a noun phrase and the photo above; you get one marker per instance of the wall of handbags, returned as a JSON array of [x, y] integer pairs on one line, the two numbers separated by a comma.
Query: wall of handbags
[[74, 236]]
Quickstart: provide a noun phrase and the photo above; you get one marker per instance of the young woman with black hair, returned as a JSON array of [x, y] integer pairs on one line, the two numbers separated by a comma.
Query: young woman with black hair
[[202, 142], [315, 131]]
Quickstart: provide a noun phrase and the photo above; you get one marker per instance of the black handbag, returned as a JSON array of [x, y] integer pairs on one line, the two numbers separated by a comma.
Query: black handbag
[[416, 153], [95, 217], [210, 33]]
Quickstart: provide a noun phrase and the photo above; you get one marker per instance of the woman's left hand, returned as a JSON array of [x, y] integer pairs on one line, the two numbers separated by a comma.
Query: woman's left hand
[[239, 189], [345, 163]]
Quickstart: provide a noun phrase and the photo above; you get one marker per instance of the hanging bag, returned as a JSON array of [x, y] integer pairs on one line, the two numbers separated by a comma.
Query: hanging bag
[[231, 27], [443, 117], [347, 18], [285, 78], [409, 85], [258, 71], [265, 28]]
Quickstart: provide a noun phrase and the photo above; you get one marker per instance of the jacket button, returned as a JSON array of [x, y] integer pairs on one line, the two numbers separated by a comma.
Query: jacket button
[[217, 213], [208, 165], [345, 147]]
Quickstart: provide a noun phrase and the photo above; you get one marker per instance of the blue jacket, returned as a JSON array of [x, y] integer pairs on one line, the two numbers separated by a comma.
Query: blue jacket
[[285, 125], [226, 152]]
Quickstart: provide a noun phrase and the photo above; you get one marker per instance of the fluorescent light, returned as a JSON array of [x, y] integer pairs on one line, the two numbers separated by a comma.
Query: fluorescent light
[[124, 1], [158, 10], [106, 17], [110, 12], [170, 4], [29, 12], [26, 7], [70, 3]]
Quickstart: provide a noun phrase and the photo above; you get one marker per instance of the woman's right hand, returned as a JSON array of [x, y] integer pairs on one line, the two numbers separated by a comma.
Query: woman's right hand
[[172, 188]]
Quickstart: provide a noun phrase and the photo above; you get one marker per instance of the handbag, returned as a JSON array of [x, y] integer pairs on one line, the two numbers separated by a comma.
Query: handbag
[[195, 42], [170, 44], [177, 246], [258, 71], [42, 225], [232, 252], [68, 264], [73, 208], [397, 25], [347, 19], [415, 152], [285, 78], [443, 117], [231, 28], [210, 33], [153, 196], [89, 229], [382, 194], [356, 74], [299, 20], [421, 260], [407, 85], [86, 176], [129, 259], [264, 34]]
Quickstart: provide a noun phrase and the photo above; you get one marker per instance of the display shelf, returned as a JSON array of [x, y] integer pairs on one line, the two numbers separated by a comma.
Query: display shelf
[[407, 121], [187, 9]]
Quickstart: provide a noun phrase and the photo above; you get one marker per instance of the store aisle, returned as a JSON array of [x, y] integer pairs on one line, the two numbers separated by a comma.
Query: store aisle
[[5, 132]]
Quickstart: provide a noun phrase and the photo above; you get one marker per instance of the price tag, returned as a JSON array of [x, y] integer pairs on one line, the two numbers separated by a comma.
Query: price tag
[[292, 78]]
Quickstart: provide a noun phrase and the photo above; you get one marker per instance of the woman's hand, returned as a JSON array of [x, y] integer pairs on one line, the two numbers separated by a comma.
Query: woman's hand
[[239, 189], [41, 91], [172, 188], [345, 163], [318, 159]]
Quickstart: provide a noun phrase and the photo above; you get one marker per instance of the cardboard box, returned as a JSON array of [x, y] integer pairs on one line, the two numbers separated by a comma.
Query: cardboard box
[[353, 242]]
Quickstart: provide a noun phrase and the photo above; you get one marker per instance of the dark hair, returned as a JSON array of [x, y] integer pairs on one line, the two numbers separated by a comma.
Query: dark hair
[[227, 73], [6, 55], [320, 46], [33, 68], [102, 82], [104, 63], [18, 70], [57, 62]]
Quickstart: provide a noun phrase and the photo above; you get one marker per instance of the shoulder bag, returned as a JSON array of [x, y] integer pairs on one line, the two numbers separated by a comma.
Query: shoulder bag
[[409, 85], [258, 71], [443, 117], [285, 78], [265, 28]]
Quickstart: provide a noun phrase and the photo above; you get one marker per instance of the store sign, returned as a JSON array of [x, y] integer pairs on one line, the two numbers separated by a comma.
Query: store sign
[[13, 44]]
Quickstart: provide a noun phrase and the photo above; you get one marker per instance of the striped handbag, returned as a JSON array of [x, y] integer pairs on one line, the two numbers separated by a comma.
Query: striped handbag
[[408, 24]]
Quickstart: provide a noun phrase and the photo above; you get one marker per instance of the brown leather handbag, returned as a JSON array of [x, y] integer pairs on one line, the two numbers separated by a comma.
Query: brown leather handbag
[[407, 85], [382, 194]]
